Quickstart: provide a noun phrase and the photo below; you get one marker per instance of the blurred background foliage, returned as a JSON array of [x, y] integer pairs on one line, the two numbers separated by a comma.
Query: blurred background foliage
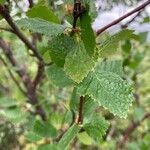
[[16, 121]]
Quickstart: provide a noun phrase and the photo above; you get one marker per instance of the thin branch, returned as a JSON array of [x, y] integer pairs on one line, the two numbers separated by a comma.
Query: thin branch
[[132, 20], [5, 13], [78, 10], [123, 17], [78, 121], [12, 76], [130, 130], [31, 92], [30, 3], [20, 70], [80, 117]]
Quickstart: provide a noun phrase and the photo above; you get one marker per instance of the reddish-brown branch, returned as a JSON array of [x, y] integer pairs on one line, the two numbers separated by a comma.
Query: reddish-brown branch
[[5, 13], [130, 130], [25, 78], [137, 9], [80, 117], [20, 70], [132, 20]]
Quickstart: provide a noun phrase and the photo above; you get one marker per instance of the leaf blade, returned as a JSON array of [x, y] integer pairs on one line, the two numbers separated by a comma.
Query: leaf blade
[[41, 26], [78, 63], [68, 136], [109, 90], [87, 34]]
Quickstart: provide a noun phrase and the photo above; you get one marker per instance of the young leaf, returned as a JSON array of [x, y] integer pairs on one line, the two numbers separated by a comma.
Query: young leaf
[[58, 76], [43, 12], [44, 129], [87, 34], [110, 45], [78, 63], [107, 88], [41, 26], [96, 127], [68, 136], [60, 46], [85, 138]]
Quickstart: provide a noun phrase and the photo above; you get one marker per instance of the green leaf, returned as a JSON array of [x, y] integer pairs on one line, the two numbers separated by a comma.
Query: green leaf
[[105, 86], [41, 26], [31, 136], [111, 66], [58, 76], [48, 147], [44, 129], [60, 46], [138, 113], [68, 136], [143, 37], [56, 119], [13, 114], [6, 102], [96, 127], [126, 47], [43, 12], [92, 10], [74, 101], [2, 1], [87, 34], [4, 24], [89, 107], [78, 63], [109, 46], [85, 138]]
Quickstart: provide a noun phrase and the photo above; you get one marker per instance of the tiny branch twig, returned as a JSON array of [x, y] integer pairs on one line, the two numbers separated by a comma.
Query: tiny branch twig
[[130, 130], [123, 17], [80, 117]]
